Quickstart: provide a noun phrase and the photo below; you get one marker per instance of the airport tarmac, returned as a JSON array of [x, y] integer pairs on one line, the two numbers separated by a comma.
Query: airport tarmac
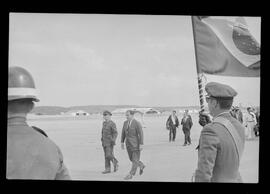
[[80, 142]]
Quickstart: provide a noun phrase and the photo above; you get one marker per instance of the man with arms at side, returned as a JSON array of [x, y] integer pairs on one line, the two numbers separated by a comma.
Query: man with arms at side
[[132, 134], [222, 141], [172, 123], [108, 139], [186, 123]]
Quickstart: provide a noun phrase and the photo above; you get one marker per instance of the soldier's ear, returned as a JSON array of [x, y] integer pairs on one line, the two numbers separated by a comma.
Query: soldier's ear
[[215, 103]]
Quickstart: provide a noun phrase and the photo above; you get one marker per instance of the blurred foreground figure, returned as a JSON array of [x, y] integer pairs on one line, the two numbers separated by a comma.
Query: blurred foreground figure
[[222, 141], [257, 126], [30, 153], [204, 118], [132, 134], [108, 138]]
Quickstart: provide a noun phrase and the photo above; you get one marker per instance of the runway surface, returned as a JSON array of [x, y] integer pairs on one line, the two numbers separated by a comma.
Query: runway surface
[[79, 140]]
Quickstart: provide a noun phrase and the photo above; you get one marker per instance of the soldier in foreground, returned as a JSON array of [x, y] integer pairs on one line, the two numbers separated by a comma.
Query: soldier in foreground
[[30, 153], [132, 134], [222, 141], [109, 135]]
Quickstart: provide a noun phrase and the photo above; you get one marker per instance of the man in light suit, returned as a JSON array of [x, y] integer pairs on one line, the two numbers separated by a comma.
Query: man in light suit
[[222, 141], [132, 134], [250, 122]]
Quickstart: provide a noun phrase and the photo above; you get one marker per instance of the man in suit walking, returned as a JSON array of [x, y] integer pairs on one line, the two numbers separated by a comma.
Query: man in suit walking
[[132, 134], [108, 138], [222, 141], [171, 124], [186, 123]]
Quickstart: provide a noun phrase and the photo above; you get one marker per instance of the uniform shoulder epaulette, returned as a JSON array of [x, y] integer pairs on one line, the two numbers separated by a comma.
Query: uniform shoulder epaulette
[[40, 131]]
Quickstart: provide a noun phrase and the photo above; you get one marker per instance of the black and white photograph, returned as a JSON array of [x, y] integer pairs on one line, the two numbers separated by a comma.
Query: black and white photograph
[[133, 97]]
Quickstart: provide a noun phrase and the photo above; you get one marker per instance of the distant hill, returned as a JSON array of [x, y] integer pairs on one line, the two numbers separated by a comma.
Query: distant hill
[[49, 110], [170, 108], [55, 110]]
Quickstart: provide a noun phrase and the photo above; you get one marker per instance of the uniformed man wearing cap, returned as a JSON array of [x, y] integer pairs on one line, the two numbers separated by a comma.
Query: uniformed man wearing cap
[[221, 142], [108, 138], [132, 134], [30, 153]]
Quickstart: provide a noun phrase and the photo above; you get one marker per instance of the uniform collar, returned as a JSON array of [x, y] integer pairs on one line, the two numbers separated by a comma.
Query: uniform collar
[[17, 119], [222, 113], [107, 121]]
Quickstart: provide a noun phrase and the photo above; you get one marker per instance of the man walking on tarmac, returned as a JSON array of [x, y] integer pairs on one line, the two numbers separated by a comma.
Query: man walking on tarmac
[[109, 135], [171, 124], [132, 134], [222, 141], [186, 123], [30, 153]]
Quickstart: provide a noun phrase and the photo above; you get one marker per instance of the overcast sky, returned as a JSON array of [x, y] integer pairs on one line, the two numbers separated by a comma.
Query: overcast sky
[[102, 59]]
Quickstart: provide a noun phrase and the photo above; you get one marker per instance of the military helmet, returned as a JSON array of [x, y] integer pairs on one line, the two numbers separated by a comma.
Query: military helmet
[[21, 84]]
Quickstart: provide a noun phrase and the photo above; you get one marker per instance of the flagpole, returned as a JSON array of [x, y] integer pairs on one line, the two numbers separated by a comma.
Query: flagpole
[[199, 75]]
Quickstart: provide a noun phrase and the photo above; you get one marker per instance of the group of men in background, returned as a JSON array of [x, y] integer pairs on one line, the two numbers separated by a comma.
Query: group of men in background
[[172, 123], [250, 120]]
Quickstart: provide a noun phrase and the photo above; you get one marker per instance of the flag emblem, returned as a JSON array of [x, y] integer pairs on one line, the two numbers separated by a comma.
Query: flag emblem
[[225, 46]]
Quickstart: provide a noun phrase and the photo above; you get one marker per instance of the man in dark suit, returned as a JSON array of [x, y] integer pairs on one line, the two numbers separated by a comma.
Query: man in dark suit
[[222, 141], [186, 123], [132, 134], [171, 124], [108, 138]]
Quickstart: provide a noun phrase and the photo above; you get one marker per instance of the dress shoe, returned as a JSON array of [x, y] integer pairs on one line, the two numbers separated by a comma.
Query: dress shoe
[[141, 169], [106, 172], [128, 177], [115, 166]]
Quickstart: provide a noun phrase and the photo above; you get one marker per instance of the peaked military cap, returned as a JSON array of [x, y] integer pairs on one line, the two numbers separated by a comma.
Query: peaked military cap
[[106, 112], [219, 90]]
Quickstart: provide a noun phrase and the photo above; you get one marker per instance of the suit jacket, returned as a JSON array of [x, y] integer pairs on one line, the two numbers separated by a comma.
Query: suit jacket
[[217, 154], [109, 133], [133, 135], [170, 124], [187, 124], [31, 155]]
